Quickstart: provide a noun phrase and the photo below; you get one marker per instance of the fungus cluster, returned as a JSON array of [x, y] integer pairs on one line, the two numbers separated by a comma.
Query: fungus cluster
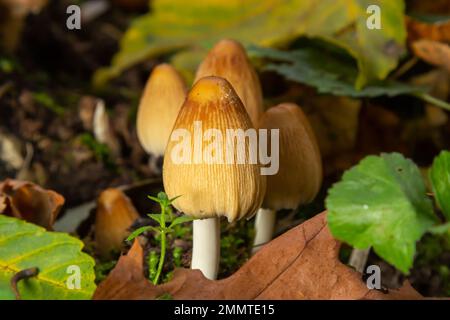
[[226, 95]]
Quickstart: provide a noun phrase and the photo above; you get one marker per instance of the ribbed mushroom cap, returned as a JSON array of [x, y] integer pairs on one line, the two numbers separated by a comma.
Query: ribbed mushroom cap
[[229, 60], [300, 167], [163, 96], [213, 189]]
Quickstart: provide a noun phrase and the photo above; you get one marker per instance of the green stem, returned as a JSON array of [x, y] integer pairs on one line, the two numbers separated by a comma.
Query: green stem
[[161, 257], [434, 101], [163, 246]]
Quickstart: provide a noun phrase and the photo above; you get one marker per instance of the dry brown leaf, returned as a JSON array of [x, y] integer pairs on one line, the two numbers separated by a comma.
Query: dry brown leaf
[[115, 214], [434, 7], [433, 52], [300, 264], [439, 31], [28, 201]]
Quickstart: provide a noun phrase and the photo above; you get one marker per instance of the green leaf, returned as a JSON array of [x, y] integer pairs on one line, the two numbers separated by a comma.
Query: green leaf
[[174, 198], [155, 216], [24, 245], [440, 181], [140, 231], [180, 220], [154, 199], [329, 70], [381, 202], [189, 27], [440, 229]]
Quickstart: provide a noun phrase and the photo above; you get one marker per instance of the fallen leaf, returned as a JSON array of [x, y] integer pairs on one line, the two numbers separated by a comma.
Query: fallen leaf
[[28, 201], [300, 264], [439, 31], [435, 7], [433, 52], [115, 214]]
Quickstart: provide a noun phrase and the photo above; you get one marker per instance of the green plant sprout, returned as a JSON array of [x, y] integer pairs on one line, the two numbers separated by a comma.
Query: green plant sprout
[[165, 217]]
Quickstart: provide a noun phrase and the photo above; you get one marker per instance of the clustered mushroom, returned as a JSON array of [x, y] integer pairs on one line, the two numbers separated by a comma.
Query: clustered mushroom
[[300, 168], [211, 190], [226, 95], [158, 109]]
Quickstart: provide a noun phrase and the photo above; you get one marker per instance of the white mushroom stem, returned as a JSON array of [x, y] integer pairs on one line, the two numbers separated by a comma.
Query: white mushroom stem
[[358, 259], [264, 228], [206, 247], [102, 129]]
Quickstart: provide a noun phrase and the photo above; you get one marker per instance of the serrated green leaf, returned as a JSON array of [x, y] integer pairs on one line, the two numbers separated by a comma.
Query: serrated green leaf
[[329, 70], [24, 245], [440, 181], [381, 202], [192, 26], [180, 220]]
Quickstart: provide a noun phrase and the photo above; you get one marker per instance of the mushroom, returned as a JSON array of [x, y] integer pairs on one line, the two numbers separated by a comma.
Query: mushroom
[[114, 215], [163, 96], [300, 168], [209, 187], [228, 60]]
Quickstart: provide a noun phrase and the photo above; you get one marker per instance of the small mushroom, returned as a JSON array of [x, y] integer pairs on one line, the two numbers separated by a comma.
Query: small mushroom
[[114, 215], [210, 189], [229, 60], [300, 167], [163, 96]]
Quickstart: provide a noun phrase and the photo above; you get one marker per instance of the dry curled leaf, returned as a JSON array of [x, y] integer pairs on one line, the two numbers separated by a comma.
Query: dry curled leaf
[[439, 31], [301, 264], [433, 52], [28, 201]]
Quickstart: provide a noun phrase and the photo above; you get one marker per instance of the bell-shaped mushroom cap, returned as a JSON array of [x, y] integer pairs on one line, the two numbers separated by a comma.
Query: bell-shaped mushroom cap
[[300, 167], [163, 97], [208, 184], [115, 214], [229, 60]]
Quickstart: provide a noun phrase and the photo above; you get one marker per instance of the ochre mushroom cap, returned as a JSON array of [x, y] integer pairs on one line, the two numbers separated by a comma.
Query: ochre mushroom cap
[[209, 190], [115, 214], [163, 96], [300, 168], [229, 60]]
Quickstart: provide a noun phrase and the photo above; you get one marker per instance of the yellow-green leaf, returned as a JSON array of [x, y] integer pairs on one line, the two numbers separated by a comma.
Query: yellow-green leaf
[[192, 26], [57, 256]]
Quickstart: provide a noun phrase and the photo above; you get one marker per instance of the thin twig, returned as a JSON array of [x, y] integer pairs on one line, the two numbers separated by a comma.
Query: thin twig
[[21, 275]]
